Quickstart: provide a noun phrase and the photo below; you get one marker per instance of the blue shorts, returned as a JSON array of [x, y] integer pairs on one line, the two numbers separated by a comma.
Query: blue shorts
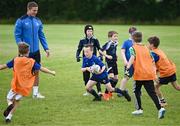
[[166, 80], [104, 80], [131, 71]]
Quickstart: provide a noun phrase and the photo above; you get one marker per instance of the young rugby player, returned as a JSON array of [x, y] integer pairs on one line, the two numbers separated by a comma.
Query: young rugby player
[[144, 74], [102, 76], [165, 67], [24, 73]]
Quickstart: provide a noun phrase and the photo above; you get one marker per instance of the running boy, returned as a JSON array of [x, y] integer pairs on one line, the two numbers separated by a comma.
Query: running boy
[[89, 39], [24, 71], [144, 74], [101, 77], [165, 67], [126, 56], [109, 52]]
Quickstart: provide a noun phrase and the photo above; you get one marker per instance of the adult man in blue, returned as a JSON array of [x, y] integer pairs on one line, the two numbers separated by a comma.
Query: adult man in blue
[[29, 29]]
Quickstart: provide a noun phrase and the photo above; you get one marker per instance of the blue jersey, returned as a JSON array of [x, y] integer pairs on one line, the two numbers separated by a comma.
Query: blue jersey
[[30, 30], [126, 45], [155, 56], [10, 64], [94, 60]]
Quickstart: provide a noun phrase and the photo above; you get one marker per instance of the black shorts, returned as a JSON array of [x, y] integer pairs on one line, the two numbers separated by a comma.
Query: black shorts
[[113, 66], [104, 80], [166, 80], [36, 56]]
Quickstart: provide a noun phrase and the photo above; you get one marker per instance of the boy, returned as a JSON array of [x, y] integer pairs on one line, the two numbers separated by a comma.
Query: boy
[[166, 68], [144, 74], [111, 59], [89, 39], [126, 56], [24, 73], [102, 76]]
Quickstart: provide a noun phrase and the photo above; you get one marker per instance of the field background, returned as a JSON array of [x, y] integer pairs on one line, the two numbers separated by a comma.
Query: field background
[[64, 104]]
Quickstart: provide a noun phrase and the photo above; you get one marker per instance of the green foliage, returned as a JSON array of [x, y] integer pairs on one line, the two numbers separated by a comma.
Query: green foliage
[[96, 10]]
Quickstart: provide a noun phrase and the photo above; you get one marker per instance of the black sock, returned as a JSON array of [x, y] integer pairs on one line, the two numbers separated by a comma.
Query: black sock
[[93, 92], [117, 90]]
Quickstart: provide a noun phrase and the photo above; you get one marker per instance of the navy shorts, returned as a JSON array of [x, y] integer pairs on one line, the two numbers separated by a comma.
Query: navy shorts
[[36, 56], [104, 80], [114, 68], [166, 80]]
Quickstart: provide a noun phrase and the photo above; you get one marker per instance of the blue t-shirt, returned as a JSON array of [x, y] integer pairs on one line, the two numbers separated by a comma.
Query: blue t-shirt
[[126, 45], [36, 66], [94, 61]]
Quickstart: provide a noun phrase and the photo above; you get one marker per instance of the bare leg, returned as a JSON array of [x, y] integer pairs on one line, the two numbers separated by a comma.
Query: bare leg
[[175, 85], [123, 83]]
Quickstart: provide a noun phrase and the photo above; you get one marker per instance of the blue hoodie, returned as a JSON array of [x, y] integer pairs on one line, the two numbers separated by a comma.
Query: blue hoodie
[[30, 30]]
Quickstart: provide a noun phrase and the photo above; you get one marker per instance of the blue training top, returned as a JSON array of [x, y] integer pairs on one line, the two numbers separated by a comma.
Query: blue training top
[[30, 30], [94, 60], [126, 45]]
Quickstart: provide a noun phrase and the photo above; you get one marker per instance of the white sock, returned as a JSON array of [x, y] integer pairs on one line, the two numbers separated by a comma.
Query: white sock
[[9, 103], [9, 116], [35, 90]]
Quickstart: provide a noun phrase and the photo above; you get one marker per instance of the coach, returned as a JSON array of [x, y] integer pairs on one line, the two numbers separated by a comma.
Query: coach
[[29, 29]]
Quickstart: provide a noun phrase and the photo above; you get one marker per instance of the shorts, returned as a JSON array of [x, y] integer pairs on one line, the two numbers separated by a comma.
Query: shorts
[[104, 80], [131, 71], [114, 68], [12, 95], [166, 80], [36, 56]]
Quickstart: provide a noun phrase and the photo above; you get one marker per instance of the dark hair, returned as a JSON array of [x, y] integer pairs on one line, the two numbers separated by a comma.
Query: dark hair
[[88, 27], [132, 29], [32, 4], [137, 36], [154, 40], [23, 48], [111, 33], [89, 46]]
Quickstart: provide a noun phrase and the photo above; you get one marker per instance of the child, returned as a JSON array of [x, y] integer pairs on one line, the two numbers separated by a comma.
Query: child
[[165, 67], [89, 39], [102, 77], [144, 74], [126, 56], [111, 59], [24, 70]]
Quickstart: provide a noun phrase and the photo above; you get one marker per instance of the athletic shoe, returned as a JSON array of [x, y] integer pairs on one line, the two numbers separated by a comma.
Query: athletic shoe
[[126, 95], [7, 120], [39, 96], [161, 113], [106, 97], [8, 110], [97, 99], [138, 112], [86, 94]]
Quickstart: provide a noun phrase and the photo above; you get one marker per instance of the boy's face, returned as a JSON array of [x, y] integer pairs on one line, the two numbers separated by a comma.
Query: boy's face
[[114, 38], [150, 46], [88, 52], [89, 33]]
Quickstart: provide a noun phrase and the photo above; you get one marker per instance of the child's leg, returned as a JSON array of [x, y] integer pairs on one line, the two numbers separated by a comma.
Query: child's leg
[[117, 90], [98, 86], [149, 86], [89, 88], [158, 91], [176, 85], [137, 95], [123, 83], [86, 76]]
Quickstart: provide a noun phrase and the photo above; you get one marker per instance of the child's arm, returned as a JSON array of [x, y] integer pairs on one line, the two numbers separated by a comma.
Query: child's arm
[[86, 69], [124, 57], [105, 55], [131, 61], [45, 70], [3, 66]]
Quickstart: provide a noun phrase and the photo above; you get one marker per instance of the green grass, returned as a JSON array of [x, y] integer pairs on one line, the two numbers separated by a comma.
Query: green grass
[[64, 104]]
